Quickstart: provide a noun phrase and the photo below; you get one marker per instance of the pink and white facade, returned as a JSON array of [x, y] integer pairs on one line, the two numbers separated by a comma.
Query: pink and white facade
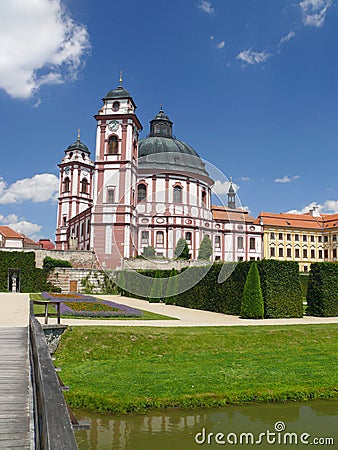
[[141, 193]]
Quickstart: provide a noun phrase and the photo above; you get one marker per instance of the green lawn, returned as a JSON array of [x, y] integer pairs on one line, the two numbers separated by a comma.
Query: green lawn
[[146, 315], [123, 369]]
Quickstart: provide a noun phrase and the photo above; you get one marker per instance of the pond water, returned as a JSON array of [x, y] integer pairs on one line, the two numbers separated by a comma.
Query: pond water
[[290, 425]]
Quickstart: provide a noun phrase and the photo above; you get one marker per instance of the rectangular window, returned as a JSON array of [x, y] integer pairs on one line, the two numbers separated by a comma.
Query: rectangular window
[[326, 254], [313, 254], [320, 238], [312, 238], [305, 268], [240, 258], [280, 236], [252, 244], [272, 235], [240, 242], [304, 238], [217, 241], [280, 252], [304, 253], [326, 238], [160, 237], [297, 237], [188, 237], [144, 237], [288, 252], [110, 195], [297, 253], [272, 252], [320, 254], [334, 238], [288, 237], [334, 253]]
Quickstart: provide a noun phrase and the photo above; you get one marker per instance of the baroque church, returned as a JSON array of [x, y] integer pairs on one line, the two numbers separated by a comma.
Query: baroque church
[[136, 193]]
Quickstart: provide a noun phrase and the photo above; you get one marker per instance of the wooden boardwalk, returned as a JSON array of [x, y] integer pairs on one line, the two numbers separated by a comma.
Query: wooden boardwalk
[[14, 374]]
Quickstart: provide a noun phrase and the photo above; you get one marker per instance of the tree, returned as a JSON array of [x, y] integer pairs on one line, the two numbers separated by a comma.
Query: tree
[[205, 250], [172, 288], [182, 250], [149, 252], [156, 288], [252, 306]]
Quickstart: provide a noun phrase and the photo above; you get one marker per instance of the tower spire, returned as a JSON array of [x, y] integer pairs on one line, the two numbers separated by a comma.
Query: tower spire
[[120, 80], [231, 196], [79, 134]]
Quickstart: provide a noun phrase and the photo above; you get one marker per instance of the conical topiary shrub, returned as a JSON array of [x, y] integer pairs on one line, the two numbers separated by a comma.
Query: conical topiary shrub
[[252, 306], [156, 288]]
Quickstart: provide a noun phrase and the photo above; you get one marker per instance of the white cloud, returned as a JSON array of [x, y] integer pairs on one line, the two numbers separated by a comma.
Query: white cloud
[[220, 44], [40, 44], [328, 207], [286, 179], [250, 57], [40, 188], [21, 225], [314, 11], [221, 188], [288, 37], [245, 179], [206, 7]]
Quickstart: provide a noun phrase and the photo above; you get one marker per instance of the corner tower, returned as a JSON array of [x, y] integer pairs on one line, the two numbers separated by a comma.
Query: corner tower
[[113, 230], [75, 188]]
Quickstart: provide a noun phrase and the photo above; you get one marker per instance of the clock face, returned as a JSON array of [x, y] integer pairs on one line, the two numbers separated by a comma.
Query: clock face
[[67, 170], [113, 125]]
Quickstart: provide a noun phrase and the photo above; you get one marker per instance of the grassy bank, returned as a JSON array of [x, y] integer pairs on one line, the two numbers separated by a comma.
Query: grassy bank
[[135, 369]]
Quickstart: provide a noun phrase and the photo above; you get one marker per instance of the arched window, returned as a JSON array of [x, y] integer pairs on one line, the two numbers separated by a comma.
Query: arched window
[[141, 192], [66, 184], [204, 197], [113, 145], [84, 186], [177, 194]]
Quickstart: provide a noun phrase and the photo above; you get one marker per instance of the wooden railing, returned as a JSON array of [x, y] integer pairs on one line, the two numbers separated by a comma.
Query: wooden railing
[[53, 428], [48, 312]]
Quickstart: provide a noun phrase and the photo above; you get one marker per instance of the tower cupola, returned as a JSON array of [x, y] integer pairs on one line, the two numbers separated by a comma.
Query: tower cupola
[[161, 125]]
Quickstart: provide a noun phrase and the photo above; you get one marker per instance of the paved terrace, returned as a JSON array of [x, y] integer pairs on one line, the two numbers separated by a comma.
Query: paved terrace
[[187, 317], [14, 372]]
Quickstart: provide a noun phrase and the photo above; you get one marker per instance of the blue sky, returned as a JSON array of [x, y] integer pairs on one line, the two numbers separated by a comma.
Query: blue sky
[[252, 85]]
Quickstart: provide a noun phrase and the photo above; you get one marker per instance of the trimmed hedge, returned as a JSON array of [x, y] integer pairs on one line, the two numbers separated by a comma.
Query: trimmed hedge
[[304, 282], [281, 288], [322, 294], [279, 281], [51, 263], [31, 278]]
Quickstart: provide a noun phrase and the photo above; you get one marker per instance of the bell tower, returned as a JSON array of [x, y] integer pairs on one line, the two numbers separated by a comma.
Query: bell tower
[[113, 231], [75, 188]]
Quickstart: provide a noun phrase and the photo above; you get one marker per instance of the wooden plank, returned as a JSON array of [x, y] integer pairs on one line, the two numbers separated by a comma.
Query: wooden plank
[[14, 389]]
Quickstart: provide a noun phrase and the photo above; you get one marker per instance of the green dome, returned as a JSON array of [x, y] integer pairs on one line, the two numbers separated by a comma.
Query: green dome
[[78, 145], [160, 144], [169, 154], [117, 94]]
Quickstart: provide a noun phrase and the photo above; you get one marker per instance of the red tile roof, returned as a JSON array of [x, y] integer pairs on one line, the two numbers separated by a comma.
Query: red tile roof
[[225, 214], [47, 244], [9, 233], [305, 221]]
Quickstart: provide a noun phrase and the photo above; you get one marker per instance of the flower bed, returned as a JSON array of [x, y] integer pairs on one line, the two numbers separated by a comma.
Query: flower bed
[[79, 305]]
